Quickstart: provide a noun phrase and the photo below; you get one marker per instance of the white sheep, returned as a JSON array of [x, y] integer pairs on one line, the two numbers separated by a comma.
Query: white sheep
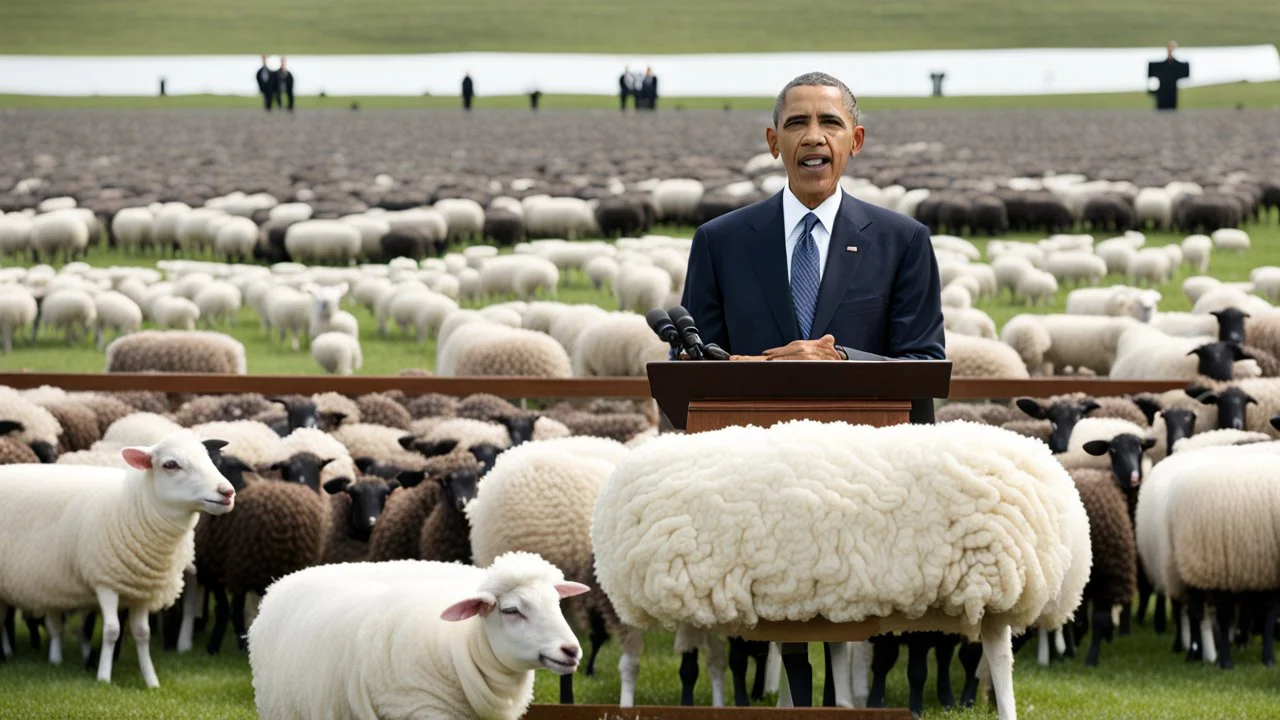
[[1230, 239], [322, 241], [1151, 266], [371, 231], [969, 321], [408, 639], [115, 312], [235, 238], [955, 295], [642, 288], [174, 312], [1196, 251], [337, 352], [677, 199], [1076, 266], [1196, 286], [141, 428], [59, 232], [72, 310], [132, 228], [15, 234], [78, 537], [491, 349], [218, 301], [990, 557], [980, 357], [1035, 286], [464, 217], [326, 313], [18, 310], [287, 312], [617, 345], [1225, 296], [1009, 269], [532, 274], [1049, 343], [1116, 300]]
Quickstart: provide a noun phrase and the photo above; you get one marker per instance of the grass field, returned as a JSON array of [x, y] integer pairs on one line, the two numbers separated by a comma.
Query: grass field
[[1139, 678], [1249, 95], [144, 27], [387, 355]]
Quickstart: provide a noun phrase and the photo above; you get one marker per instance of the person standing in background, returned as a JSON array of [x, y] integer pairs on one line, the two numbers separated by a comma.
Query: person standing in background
[[1168, 73], [625, 87], [649, 89], [468, 91], [286, 83], [266, 83]]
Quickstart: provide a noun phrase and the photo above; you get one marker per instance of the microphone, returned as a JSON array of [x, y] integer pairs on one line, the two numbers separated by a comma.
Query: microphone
[[662, 326], [689, 332]]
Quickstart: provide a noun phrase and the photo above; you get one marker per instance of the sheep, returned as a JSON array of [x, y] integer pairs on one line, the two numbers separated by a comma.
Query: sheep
[[80, 429], [1144, 353], [15, 234], [1034, 286], [1154, 206], [969, 321], [221, 408], [379, 443], [218, 301], [1196, 252], [18, 310], [174, 312], [1076, 266], [560, 479], [337, 352], [489, 349], [1230, 239], [372, 610], [326, 315], [602, 271], [322, 240], [1054, 342], [617, 345], [235, 238], [27, 422], [1113, 576], [116, 312], [955, 295], [1117, 300], [1091, 429], [71, 309], [400, 534], [979, 357], [286, 311], [642, 288], [142, 428], [1151, 266], [175, 351], [90, 536], [643, 489], [355, 507], [383, 409], [58, 232], [532, 274]]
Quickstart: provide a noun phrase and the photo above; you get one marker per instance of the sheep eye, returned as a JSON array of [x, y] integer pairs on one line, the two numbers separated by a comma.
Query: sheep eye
[[512, 611], [170, 465]]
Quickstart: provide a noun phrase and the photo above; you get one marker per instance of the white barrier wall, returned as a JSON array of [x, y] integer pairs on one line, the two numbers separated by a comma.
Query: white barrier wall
[[874, 74]]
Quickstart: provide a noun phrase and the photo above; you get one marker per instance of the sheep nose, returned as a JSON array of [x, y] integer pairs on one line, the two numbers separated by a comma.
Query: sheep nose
[[571, 651], [227, 491]]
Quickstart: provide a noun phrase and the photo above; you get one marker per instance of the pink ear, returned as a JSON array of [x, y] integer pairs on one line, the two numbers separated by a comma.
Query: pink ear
[[137, 457], [463, 609], [569, 589]]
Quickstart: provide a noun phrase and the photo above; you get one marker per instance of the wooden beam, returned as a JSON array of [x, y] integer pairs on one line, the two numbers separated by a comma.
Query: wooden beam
[[983, 388], [658, 712]]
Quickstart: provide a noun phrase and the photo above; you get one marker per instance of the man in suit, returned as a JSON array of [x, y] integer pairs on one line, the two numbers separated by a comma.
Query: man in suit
[[266, 83], [286, 83], [1168, 73], [813, 273], [625, 88], [468, 92], [649, 89]]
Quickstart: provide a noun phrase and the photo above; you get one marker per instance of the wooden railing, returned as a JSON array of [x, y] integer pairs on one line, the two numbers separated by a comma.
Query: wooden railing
[[511, 387]]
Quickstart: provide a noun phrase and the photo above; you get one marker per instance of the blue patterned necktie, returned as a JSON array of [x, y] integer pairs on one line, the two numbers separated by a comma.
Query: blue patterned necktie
[[804, 277]]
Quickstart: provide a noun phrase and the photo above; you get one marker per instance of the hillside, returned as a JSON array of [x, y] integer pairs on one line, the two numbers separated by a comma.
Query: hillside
[[133, 27]]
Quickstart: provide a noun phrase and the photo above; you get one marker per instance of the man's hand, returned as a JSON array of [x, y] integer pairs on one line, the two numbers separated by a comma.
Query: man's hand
[[747, 358], [824, 348]]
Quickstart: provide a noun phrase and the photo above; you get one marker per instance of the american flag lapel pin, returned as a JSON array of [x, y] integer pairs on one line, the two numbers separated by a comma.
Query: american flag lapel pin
[[851, 248]]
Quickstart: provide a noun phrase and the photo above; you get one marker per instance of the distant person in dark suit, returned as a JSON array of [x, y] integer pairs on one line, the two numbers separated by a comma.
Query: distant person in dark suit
[[625, 88], [286, 83], [1168, 73], [468, 92], [649, 90], [266, 84]]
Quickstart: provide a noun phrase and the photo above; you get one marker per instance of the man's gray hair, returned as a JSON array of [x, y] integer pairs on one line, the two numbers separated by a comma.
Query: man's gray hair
[[814, 79]]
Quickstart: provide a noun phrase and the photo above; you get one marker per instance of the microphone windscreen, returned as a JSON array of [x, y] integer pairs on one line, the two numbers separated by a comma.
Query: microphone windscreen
[[656, 318], [678, 312], [684, 322]]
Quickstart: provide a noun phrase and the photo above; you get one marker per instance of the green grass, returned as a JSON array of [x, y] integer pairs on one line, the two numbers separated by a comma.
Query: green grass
[[1250, 95], [1139, 678], [143, 27], [386, 355]]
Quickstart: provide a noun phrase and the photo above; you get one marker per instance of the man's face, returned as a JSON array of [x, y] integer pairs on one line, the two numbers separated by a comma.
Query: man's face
[[815, 138]]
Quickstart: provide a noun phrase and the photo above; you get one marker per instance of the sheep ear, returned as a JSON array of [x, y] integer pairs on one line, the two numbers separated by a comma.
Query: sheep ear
[[1249, 400], [325, 462], [410, 478], [336, 485], [406, 441], [1148, 443], [274, 399], [1239, 353], [364, 463], [481, 604], [569, 589], [1275, 422], [215, 446], [1097, 447], [11, 426], [1208, 398], [1031, 407], [1089, 406], [1195, 391], [393, 485], [137, 457], [333, 419]]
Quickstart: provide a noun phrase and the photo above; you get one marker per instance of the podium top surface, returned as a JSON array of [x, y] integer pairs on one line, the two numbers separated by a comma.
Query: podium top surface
[[675, 383]]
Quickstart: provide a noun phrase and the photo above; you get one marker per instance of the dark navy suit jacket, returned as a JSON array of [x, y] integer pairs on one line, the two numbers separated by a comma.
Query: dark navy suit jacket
[[881, 299]]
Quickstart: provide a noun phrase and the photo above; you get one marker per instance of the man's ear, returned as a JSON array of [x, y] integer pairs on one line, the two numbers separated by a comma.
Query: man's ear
[[771, 138], [859, 136]]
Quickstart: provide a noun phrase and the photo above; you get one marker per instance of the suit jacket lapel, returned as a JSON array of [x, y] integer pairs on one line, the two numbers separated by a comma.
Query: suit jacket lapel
[[769, 256], [842, 263]]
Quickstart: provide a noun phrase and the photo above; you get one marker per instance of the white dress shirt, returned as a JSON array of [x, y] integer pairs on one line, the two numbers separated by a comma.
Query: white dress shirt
[[793, 212]]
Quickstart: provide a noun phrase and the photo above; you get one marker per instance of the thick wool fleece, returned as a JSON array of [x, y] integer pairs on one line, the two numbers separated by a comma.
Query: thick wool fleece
[[1114, 577], [809, 519]]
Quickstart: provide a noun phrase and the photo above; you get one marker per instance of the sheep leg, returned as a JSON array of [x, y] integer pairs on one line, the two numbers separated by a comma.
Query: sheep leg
[[86, 639], [1102, 629], [1225, 611], [599, 636], [944, 651], [1182, 631], [839, 675], [237, 620], [828, 678], [688, 676], [716, 661], [773, 669], [632, 642], [1269, 634], [784, 685], [7, 333], [1144, 596], [140, 624], [970, 658], [738, 669], [1044, 652], [109, 606], [53, 622], [860, 664], [190, 599], [997, 649], [884, 655], [7, 635], [917, 674], [566, 689], [1158, 618], [795, 658], [220, 611], [762, 652]]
